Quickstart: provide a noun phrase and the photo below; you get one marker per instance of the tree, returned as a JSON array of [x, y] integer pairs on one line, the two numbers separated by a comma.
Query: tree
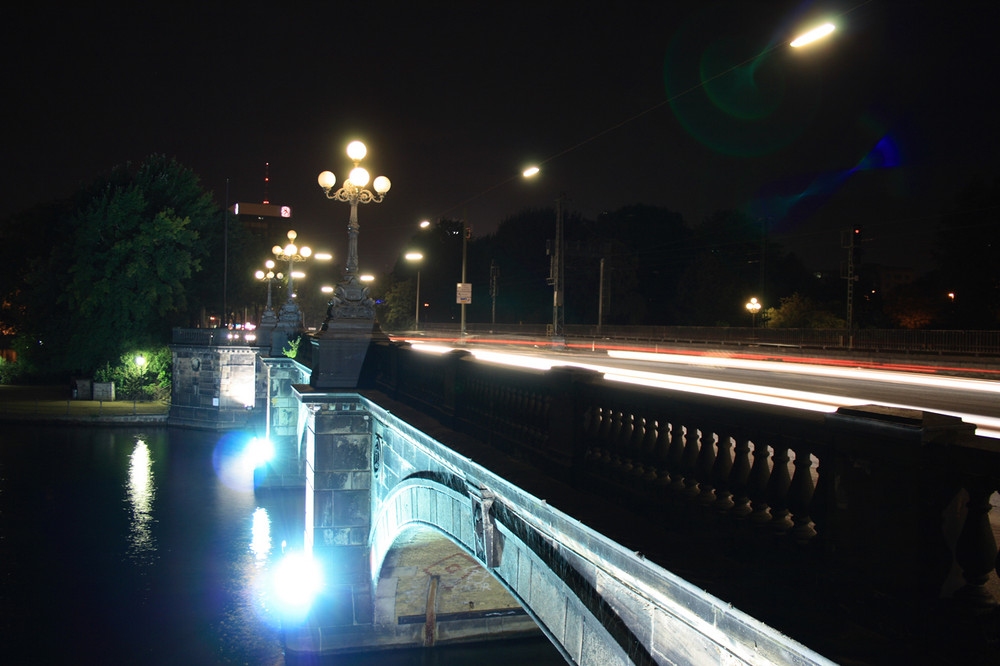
[[118, 268], [798, 311]]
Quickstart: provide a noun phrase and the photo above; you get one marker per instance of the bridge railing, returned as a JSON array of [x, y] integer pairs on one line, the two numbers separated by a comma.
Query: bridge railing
[[869, 340], [893, 499]]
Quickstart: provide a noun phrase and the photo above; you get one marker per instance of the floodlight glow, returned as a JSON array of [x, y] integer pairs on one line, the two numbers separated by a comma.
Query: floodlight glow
[[297, 580], [530, 171], [413, 256], [326, 289], [366, 278], [298, 274], [424, 224], [259, 451], [323, 256], [813, 35]]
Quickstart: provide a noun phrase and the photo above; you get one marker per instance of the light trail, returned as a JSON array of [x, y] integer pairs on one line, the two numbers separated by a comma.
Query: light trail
[[985, 425]]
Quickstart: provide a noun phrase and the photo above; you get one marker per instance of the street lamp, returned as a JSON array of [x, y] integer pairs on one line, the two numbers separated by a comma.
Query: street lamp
[[557, 273], [354, 192], [814, 34], [416, 256], [753, 307], [293, 254], [268, 318]]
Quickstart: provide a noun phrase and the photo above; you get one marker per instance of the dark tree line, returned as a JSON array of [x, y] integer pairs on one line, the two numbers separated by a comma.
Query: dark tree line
[[657, 270]]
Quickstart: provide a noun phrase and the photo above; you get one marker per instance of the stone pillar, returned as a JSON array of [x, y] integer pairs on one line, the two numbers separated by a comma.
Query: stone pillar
[[339, 351], [338, 481], [216, 387], [891, 486], [287, 468]]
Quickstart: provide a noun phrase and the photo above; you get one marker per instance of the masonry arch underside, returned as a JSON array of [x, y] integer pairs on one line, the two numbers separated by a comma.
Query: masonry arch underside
[[430, 585]]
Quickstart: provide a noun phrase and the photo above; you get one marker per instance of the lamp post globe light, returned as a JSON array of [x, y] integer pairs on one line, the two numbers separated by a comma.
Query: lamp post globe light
[[293, 254], [350, 299], [753, 307], [269, 318]]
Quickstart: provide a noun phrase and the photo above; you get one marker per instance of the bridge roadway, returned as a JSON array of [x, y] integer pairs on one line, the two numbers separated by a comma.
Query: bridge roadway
[[967, 387]]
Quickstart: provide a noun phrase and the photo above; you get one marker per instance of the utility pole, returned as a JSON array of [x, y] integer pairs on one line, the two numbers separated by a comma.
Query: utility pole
[[466, 232], [851, 242], [557, 271], [600, 299], [494, 275]]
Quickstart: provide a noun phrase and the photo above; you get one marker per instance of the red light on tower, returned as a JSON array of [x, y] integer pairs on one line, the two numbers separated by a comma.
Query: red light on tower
[[267, 179]]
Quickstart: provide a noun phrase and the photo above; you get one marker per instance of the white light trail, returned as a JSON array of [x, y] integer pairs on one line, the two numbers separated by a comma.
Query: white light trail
[[985, 426]]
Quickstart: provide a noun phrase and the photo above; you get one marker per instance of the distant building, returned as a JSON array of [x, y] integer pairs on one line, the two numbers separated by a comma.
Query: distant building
[[266, 222]]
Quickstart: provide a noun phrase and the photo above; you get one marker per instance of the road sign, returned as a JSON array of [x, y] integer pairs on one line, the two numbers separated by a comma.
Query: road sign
[[463, 293]]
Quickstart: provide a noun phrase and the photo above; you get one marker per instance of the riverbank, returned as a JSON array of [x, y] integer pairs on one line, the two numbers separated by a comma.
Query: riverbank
[[55, 405]]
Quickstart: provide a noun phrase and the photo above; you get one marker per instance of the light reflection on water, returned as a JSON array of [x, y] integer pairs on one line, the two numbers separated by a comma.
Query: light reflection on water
[[126, 547], [260, 541], [140, 494]]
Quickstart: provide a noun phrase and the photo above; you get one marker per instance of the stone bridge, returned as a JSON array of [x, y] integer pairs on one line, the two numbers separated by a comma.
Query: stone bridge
[[375, 480], [455, 500]]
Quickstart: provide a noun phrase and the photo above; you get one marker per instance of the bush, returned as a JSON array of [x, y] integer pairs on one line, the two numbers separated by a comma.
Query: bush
[[9, 372], [135, 380]]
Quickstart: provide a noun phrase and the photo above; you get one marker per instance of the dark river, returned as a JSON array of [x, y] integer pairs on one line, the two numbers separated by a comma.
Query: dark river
[[150, 546]]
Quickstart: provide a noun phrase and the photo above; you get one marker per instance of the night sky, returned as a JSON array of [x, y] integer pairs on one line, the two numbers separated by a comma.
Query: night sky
[[694, 106]]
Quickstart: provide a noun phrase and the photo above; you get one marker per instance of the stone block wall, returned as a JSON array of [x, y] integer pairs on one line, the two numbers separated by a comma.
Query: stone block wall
[[215, 387]]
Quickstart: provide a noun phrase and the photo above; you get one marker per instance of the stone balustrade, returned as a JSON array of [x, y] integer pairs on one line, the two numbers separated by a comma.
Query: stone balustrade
[[894, 503]]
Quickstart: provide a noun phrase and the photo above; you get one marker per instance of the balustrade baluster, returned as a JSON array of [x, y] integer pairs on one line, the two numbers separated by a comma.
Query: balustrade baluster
[[690, 462], [777, 490], [704, 467], [721, 474], [664, 437], [647, 449], [760, 472], [678, 445], [800, 494], [622, 460], [636, 456], [611, 458], [739, 475]]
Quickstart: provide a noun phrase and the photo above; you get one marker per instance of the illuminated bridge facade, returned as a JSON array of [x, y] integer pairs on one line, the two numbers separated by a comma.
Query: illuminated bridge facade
[[631, 524]]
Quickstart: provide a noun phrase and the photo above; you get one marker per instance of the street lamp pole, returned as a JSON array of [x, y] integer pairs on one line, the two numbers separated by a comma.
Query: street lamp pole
[[753, 307], [293, 255], [350, 297], [268, 318], [416, 256]]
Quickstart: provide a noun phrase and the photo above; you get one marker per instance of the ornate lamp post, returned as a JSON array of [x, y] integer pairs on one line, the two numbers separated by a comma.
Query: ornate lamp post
[[350, 293], [268, 318], [753, 307], [293, 254]]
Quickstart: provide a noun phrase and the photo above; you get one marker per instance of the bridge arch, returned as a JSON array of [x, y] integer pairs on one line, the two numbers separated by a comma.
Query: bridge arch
[[522, 559]]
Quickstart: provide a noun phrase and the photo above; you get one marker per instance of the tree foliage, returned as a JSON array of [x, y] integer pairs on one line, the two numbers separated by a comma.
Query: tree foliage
[[118, 268], [797, 311]]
